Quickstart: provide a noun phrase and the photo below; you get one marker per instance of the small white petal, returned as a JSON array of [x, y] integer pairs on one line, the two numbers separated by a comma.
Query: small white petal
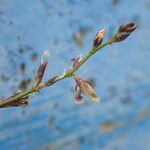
[[80, 57], [46, 53], [64, 72], [62, 75]]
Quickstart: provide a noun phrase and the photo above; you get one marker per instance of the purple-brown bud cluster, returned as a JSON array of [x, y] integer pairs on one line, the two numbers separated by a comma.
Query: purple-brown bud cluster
[[130, 27], [124, 31]]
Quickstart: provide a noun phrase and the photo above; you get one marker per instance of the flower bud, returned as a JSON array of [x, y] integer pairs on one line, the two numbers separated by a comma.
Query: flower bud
[[87, 89], [98, 38], [40, 73], [121, 36], [130, 27]]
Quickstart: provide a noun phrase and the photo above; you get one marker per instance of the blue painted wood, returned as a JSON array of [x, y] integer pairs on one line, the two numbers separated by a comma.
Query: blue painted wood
[[121, 74]]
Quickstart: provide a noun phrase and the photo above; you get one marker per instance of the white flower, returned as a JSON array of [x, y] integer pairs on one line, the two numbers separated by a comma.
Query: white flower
[[44, 56], [46, 53]]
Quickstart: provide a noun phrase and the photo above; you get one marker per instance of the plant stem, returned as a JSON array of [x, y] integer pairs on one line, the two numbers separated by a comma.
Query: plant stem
[[27, 92], [91, 52]]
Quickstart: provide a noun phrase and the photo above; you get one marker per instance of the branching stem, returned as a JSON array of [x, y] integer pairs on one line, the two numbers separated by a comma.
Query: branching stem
[[22, 97]]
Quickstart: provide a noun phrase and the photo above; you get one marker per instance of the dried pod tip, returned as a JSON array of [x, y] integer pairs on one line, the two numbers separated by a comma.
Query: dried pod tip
[[130, 27], [99, 38], [121, 36]]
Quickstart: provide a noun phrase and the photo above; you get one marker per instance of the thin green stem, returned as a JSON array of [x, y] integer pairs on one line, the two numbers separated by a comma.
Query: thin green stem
[[91, 52], [67, 75]]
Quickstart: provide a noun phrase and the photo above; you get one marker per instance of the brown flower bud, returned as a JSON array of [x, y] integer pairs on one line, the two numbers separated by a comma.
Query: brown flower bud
[[87, 89], [98, 38], [40, 73], [130, 27], [121, 36]]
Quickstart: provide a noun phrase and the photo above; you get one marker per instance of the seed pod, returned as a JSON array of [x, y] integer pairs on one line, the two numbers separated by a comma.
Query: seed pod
[[98, 38], [87, 89]]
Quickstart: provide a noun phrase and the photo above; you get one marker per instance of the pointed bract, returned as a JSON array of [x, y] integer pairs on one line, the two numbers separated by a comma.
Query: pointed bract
[[76, 61]]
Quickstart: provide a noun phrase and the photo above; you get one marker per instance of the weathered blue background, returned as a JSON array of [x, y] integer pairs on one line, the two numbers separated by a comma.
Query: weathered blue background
[[121, 74]]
